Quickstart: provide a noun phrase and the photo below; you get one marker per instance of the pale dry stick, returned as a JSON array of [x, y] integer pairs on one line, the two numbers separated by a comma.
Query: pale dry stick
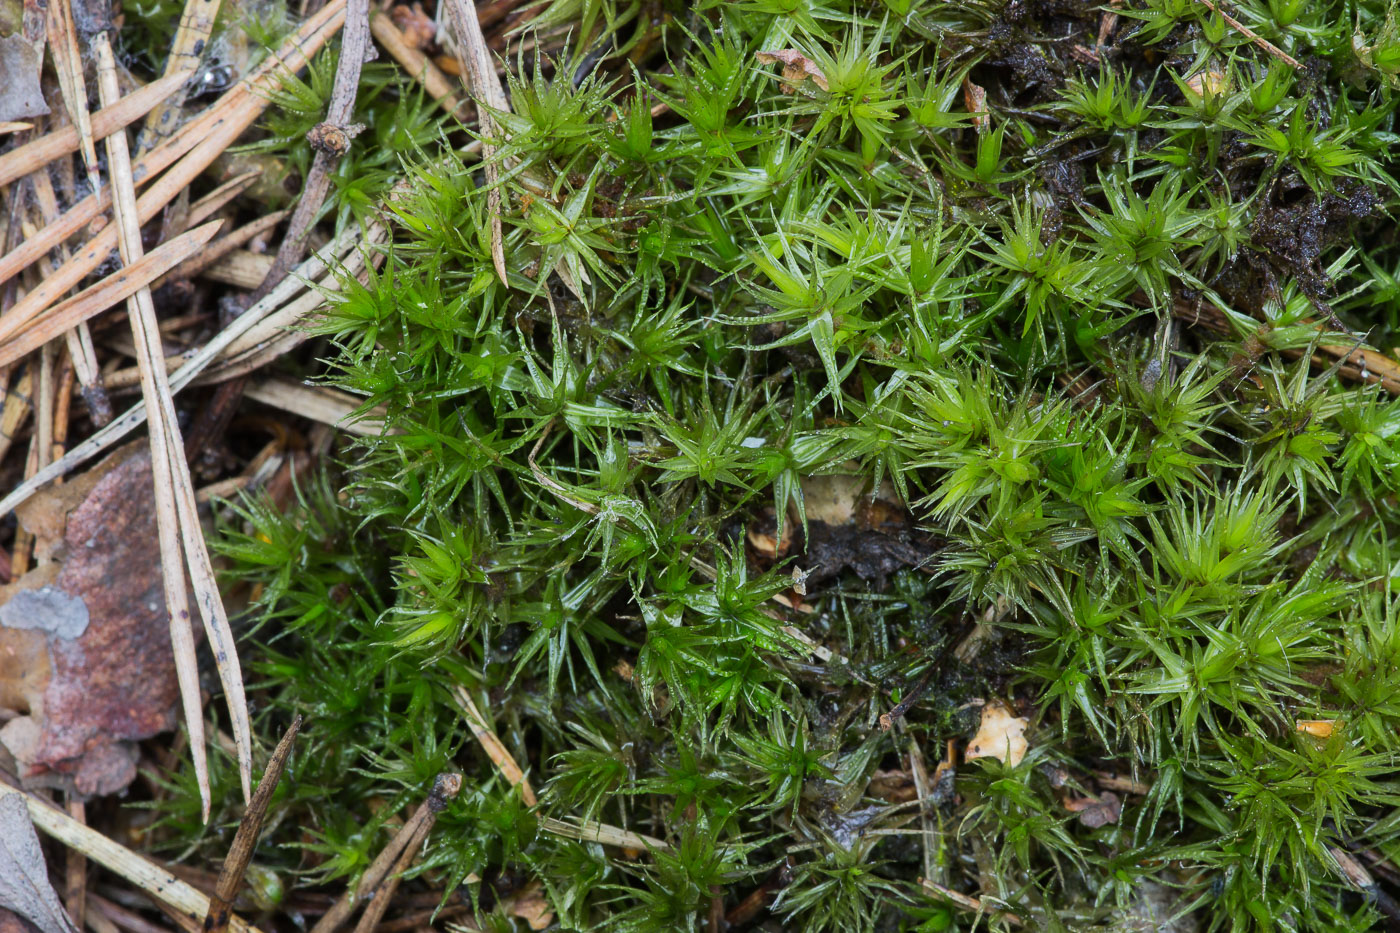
[[68, 63], [418, 65], [319, 403], [500, 756], [115, 288], [241, 269], [186, 49], [121, 861], [445, 787], [15, 126], [1253, 36], [194, 147], [484, 85], [245, 840], [167, 513], [22, 160], [275, 303], [156, 391], [602, 833]]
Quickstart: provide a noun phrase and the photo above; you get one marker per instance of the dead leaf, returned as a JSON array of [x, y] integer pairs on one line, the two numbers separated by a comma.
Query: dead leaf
[[85, 662], [1098, 811], [796, 67], [24, 879], [1001, 735], [975, 100], [1317, 728], [530, 905]]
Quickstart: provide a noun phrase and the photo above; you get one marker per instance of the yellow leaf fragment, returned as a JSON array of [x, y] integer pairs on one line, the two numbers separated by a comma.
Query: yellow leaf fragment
[[1001, 735]]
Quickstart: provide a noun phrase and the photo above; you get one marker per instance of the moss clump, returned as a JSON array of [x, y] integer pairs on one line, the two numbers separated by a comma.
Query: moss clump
[[1079, 339]]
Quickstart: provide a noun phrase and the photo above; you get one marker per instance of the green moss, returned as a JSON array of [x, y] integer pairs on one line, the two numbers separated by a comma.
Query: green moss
[[1074, 340]]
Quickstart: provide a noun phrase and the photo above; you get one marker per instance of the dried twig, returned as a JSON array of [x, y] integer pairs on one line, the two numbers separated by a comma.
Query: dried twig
[[155, 881], [331, 141], [969, 903], [240, 851], [410, 835], [177, 513], [1252, 36], [75, 872], [196, 145], [20, 337], [500, 756], [602, 833]]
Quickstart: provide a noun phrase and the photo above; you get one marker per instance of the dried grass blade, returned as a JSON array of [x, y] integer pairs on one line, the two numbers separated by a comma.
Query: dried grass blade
[[178, 495], [500, 756]]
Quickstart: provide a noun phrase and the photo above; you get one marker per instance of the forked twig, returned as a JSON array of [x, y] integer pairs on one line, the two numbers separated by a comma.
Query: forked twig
[[409, 836]]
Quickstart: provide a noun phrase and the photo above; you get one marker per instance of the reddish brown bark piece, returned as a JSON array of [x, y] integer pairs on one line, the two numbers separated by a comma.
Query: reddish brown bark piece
[[84, 646]]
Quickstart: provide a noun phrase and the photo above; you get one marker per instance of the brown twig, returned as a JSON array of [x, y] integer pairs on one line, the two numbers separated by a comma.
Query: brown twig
[[334, 136], [240, 851], [1252, 36], [75, 872], [418, 65], [416, 827]]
